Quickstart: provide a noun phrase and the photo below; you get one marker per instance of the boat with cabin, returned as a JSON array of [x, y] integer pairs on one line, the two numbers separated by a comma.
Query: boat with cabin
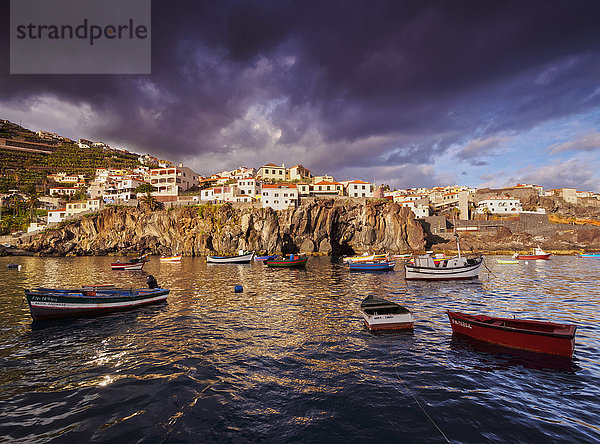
[[537, 336], [381, 314], [429, 267], [90, 300], [536, 254]]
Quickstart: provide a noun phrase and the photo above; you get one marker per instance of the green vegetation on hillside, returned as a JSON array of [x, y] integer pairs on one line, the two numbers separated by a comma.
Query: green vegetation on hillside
[[20, 168]]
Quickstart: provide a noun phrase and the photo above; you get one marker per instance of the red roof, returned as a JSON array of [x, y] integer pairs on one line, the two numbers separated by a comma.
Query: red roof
[[272, 165], [359, 181], [324, 182]]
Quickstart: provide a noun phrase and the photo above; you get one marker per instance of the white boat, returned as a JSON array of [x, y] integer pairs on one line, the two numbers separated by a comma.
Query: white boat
[[427, 267], [381, 314], [242, 257], [367, 258], [171, 258]]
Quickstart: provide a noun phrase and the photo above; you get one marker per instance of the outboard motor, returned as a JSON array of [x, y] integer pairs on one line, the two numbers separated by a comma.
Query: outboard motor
[[151, 281]]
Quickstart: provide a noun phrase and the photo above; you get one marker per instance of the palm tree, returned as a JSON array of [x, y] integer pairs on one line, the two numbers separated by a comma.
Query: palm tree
[[150, 201], [32, 203]]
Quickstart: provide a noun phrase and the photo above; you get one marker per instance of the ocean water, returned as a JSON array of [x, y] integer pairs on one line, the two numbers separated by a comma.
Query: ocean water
[[290, 360]]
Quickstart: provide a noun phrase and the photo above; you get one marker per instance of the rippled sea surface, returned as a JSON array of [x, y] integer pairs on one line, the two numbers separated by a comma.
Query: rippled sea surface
[[289, 359]]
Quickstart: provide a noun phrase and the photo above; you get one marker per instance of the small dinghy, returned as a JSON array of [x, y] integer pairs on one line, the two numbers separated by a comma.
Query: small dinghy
[[381, 314]]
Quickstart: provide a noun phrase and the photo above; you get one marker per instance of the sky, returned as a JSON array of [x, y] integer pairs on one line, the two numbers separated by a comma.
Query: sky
[[407, 93]]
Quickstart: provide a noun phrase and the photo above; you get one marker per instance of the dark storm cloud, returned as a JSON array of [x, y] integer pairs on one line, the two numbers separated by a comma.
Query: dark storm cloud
[[383, 82]]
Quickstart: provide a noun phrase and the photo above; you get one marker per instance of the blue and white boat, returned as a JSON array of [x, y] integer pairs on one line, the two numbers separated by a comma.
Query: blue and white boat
[[594, 255], [57, 303], [372, 266]]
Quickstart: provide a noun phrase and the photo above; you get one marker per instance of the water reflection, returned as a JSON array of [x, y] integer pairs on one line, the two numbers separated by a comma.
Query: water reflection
[[290, 358]]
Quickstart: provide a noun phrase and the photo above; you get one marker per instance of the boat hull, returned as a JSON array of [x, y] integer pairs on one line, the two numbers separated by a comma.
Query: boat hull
[[170, 259], [287, 263], [541, 337], [389, 322], [47, 304], [127, 265], [594, 255], [507, 261], [532, 257], [467, 271], [241, 259], [374, 266], [266, 258]]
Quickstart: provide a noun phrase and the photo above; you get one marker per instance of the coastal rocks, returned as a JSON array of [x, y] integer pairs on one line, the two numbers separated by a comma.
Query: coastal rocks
[[326, 226]]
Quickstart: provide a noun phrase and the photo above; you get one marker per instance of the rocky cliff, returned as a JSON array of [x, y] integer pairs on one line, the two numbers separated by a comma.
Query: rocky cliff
[[324, 226]]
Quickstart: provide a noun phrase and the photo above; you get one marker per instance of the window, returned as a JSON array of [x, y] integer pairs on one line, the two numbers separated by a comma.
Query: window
[[276, 194], [328, 187]]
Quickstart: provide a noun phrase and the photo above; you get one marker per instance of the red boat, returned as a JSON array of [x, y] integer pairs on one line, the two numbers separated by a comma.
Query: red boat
[[536, 254], [537, 336]]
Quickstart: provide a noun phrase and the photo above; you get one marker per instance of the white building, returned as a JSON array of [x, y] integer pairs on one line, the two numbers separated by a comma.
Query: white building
[[81, 206], [420, 210], [358, 188], [219, 194], [249, 186], [499, 205], [279, 196], [63, 191], [173, 180], [55, 216]]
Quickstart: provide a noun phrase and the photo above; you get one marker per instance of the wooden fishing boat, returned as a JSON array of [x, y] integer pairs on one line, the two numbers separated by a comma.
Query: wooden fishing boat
[[133, 264], [507, 261], [428, 267], [293, 261], [367, 258], [593, 255], [538, 336], [381, 314], [536, 254], [382, 265], [265, 258], [56, 303], [171, 259], [241, 258]]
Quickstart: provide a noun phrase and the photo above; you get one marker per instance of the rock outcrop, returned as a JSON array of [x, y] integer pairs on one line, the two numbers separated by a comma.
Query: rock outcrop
[[323, 226]]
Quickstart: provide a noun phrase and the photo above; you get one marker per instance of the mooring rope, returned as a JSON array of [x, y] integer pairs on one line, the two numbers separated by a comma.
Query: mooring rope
[[416, 399]]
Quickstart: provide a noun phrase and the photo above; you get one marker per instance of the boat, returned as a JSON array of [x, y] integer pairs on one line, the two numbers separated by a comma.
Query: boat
[[507, 261], [292, 261], [381, 265], [92, 300], [367, 258], [243, 257], [265, 258], [537, 336], [594, 255], [536, 254], [12, 265], [428, 267], [133, 264], [381, 314], [171, 259]]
